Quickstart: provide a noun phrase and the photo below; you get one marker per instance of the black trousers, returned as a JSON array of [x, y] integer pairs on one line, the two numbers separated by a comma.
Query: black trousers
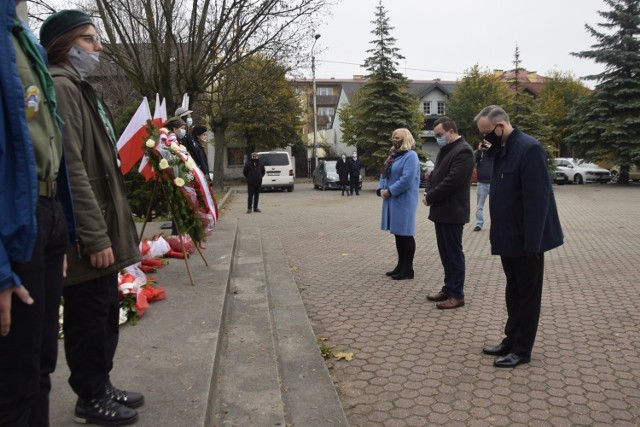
[[29, 353], [91, 331], [523, 296], [406, 247], [449, 238], [254, 195]]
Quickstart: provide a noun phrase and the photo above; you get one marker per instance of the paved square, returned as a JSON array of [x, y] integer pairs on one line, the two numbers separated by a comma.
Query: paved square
[[415, 365]]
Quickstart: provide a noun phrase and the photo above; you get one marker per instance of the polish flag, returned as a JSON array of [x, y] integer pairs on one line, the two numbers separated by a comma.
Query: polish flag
[[159, 117], [131, 143]]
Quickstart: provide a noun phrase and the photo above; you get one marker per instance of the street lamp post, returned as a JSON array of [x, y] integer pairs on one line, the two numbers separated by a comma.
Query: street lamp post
[[315, 107]]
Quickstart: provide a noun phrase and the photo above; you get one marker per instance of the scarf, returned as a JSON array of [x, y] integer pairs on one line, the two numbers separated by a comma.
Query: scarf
[[393, 154]]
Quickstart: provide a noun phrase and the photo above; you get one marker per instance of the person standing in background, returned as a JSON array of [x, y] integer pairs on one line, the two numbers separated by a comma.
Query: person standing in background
[[447, 195], [524, 225], [343, 172], [253, 171], [398, 187], [107, 233], [37, 225], [484, 166], [354, 173]]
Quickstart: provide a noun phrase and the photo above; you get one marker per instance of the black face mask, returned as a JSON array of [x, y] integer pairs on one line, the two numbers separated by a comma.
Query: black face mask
[[493, 138]]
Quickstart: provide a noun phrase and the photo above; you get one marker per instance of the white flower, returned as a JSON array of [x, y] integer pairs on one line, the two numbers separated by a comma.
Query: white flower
[[188, 176], [163, 164], [174, 147], [150, 143], [179, 182], [190, 164], [123, 316]]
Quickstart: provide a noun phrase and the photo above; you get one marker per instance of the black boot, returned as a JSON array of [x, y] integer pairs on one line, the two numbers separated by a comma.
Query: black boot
[[130, 399], [103, 411], [408, 249], [400, 250]]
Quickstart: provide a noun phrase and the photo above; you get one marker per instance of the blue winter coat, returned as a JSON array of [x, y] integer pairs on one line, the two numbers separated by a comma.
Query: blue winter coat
[[524, 216], [18, 182], [403, 181]]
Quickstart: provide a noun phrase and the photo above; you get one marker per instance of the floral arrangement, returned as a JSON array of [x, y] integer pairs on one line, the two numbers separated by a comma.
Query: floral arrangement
[[192, 204], [136, 290]]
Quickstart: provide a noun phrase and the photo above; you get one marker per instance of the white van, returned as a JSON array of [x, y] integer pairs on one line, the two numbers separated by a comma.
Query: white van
[[278, 170]]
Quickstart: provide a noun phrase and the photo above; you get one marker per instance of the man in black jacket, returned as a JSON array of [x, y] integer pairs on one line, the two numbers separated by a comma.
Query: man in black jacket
[[524, 225], [253, 171], [484, 166], [447, 194]]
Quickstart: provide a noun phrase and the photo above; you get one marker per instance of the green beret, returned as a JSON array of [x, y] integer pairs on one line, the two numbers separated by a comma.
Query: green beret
[[60, 23]]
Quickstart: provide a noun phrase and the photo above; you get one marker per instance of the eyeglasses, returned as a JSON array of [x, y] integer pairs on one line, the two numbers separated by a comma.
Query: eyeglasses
[[440, 135], [91, 38]]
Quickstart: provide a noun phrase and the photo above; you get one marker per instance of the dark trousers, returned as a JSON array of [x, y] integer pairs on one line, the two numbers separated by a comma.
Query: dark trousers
[[254, 195], [523, 296], [91, 316], [29, 353], [449, 238], [406, 247], [353, 184]]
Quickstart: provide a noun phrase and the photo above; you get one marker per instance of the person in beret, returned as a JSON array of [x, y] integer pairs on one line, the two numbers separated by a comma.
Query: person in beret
[[106, 231]]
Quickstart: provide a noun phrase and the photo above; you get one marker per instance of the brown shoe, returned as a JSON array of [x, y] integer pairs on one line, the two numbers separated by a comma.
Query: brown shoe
[[440, 296], [450, 303]]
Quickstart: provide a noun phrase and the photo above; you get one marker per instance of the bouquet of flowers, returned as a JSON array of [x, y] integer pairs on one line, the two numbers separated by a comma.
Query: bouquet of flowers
[[136, 291], [193, 207]]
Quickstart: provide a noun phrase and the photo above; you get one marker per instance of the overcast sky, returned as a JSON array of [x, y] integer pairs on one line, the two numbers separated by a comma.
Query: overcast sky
[[443, 38]]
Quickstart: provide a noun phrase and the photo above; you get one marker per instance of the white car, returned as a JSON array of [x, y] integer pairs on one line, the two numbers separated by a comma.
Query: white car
[[580, 172]]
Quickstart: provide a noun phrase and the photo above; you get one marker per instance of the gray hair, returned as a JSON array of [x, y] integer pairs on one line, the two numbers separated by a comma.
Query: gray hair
[[494, 113]]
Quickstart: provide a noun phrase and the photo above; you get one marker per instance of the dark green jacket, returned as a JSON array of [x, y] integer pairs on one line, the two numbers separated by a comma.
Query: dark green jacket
[[102, 211]]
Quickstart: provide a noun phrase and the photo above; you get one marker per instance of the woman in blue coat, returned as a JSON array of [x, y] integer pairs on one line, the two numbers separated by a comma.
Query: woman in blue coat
[[398, 187]]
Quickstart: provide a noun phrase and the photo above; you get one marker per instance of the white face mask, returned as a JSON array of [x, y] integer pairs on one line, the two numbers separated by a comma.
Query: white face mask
[[355, 156], [189, 121], [84, 62], [344, 157]]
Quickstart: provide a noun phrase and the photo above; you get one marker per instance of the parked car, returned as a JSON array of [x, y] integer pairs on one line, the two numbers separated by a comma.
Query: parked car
[[325, 176], [580, 172], [279, 170], [425, 170], [634, 173], [560, 177]]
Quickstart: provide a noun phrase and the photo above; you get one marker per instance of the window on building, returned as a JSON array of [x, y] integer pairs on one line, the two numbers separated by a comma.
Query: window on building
[[324, 91], [426, 107], [441, 108], [235, 156], [326, 111]]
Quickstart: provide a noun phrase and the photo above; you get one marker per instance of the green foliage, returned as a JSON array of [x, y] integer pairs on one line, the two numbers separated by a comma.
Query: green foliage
[[384, 103], [268, 114], [477, 89], [606, 125], [556, 99]]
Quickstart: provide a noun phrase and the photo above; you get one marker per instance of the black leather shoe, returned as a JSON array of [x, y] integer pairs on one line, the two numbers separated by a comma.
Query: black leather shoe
[[403, 276], [394, 271], [103, 411], [130, 399], [511, 360], [499, 350]]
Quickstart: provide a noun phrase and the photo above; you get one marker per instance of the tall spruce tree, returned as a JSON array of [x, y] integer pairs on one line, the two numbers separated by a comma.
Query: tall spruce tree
[[606, 125], [384, 103]]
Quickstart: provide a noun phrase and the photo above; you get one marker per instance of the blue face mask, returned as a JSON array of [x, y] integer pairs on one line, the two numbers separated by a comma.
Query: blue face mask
[[189, 121], [441, 141], [182, 133]]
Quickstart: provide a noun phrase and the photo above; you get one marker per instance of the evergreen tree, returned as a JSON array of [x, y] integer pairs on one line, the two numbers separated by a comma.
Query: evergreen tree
[[384, 103], [607, 124]]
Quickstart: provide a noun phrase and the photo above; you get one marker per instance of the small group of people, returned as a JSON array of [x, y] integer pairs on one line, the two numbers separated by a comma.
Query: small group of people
[[349, 172], [524, 217], [68, 229]]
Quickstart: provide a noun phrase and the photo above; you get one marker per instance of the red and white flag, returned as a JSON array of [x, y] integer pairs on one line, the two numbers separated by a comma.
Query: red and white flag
[[159, 118], [131, 143]]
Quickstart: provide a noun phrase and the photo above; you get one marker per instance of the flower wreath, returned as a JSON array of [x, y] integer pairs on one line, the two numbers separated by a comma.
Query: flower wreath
[[190, 199]]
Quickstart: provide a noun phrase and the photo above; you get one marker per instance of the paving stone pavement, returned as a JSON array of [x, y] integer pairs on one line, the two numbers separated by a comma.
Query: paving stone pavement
[[415, 365]]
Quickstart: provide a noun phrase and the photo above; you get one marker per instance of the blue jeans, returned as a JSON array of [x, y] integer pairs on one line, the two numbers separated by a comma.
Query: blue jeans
[[482, 192]]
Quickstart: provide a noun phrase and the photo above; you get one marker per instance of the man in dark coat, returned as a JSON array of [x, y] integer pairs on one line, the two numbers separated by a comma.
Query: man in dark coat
[[253, 171], [343, 172], [354, 173], [447, 194], [524, 225]]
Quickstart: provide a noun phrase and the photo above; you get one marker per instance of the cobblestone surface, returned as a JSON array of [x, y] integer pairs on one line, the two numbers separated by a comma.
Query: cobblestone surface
[[415, 365]]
